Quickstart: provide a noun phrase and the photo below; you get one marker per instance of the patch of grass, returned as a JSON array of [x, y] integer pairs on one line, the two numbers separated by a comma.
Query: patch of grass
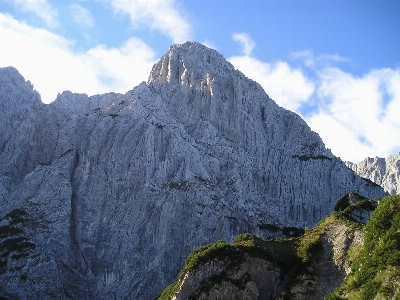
[[344, 218], [376, 269], [311, 242], [233, 254], [375, 265]]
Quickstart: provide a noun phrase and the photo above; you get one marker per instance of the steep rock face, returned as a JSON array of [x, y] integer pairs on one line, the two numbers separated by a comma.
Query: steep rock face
[[32, 133], [253, 279], [39, 255], [382, 171], [197, 154]]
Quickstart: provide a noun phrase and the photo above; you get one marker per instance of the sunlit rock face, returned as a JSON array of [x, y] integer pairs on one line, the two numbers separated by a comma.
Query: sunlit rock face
[[196, 154], [382, 171]]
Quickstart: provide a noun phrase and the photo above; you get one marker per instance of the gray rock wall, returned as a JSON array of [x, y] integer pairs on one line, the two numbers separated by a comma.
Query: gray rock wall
[[197, 154], [382, 171]]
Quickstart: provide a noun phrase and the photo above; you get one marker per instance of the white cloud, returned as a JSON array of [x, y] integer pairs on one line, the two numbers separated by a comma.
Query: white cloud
[[126, 66], [323, 60], [246, 42], [81, 15], [41, 8], [50, 63], [162, 15], [287, 86], [358, 116], [338, 137]]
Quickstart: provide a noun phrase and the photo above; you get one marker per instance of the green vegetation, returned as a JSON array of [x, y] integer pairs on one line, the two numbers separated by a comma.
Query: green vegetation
[[291, 255], [376, 270], [375, 265], [310, 243], [282, 253], [13, 243]]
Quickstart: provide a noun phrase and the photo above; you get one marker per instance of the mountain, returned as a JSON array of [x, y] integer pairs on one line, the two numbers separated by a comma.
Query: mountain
[[251, 268], [382, 171], [338, 259], [105, 196]]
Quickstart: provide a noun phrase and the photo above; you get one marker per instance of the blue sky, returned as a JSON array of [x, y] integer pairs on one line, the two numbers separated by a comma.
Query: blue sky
[[336, 63]]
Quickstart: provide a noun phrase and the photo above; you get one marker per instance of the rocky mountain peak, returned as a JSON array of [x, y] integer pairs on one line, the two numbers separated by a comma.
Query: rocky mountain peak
[[16, 90], [188, 64], [197, 154]]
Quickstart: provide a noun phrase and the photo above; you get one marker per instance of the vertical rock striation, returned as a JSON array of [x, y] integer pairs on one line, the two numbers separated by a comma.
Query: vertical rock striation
[[382, 171], [196, 154]]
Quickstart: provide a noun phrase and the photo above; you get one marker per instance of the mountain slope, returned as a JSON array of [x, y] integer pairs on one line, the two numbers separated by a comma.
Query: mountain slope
[[375, 272], [197, 154], [338, 259], [308, 267], [382, 171]]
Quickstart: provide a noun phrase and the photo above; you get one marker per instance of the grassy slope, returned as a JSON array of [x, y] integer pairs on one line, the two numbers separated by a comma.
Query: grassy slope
[[281, 252], [375, 266], [376, 270]]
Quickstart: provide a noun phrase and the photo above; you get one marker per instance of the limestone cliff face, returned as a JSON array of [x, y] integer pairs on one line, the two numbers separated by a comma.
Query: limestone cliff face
[[32, 133], [382, 171], [197, 154]]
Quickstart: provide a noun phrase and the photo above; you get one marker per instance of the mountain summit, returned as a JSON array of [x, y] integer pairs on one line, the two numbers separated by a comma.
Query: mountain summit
[[105, 196]]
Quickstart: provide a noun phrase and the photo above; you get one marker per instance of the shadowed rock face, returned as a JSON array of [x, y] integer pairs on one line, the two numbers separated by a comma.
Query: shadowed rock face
[[197, 154]]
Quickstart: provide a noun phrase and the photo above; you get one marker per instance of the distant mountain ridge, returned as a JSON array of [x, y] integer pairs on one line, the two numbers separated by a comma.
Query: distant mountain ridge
[[382, 171], [105, 196]]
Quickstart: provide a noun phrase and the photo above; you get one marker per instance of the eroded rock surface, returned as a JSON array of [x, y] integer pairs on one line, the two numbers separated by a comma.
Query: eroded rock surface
[[254, 278], [196, 154], [382, 171]]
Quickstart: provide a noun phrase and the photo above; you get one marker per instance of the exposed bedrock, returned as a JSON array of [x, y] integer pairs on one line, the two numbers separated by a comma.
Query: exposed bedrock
[[197, 154]]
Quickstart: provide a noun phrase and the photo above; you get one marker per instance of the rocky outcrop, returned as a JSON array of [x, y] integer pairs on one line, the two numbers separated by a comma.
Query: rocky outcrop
[[255, 269], [356, 207], [32, 133], [253, 279], [196, 154], [329, 265], [382, 171]]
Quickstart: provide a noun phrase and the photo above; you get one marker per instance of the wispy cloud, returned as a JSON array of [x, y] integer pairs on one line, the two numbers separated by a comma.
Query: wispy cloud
[[162, 15], [289, 87], [43, 9], [358, 116], [31, 49], [323, 60], [355, 116], [246, 42], [81, 15]]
